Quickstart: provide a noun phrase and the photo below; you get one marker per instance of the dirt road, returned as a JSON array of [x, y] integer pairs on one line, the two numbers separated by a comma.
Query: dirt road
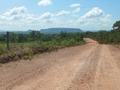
[[88, 67]]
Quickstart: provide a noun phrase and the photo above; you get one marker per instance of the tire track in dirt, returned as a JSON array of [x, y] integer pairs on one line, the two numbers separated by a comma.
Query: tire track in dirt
[[84, 80], [115, 52], [108, 72], [71, 68]]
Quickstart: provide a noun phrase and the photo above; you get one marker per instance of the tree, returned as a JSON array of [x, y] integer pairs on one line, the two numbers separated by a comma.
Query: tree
[[102, 37], [63, 35], [2, 38], [13, 37], [22, 38], [35, 35], [116, 25]]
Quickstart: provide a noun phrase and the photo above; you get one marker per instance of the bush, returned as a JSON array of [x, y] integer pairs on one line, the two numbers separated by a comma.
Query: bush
[[26, 45]]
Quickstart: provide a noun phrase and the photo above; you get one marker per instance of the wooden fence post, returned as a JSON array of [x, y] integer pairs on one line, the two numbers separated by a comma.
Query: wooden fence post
[[8, 40]]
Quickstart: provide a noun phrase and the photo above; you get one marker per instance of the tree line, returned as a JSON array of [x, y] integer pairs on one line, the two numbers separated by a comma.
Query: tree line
[[106, 37], [37, 36]]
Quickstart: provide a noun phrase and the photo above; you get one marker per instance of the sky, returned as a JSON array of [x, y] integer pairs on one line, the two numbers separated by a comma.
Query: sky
[[40, 14]]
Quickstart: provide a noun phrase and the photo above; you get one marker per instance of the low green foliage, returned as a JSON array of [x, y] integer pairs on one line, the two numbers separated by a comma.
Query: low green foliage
[[24, 46], [106, 37]]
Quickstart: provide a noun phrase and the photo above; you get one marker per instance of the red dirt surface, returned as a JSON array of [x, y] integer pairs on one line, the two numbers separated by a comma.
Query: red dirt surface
[[88, 67]]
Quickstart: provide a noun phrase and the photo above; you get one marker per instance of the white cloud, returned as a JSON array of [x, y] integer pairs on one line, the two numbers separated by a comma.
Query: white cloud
[[97, 18], [95, 12], [2, 18], [75, 5], [76, 10], [62, 13], [46, 15], [45, 2], [16, 11], [19, 18]]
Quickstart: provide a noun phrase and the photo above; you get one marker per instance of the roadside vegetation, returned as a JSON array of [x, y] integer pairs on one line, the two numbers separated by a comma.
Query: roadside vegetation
[[106, 37], [25, 46]]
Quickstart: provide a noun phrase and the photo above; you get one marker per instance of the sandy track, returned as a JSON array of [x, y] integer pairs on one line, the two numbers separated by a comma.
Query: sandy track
[[88, 67]]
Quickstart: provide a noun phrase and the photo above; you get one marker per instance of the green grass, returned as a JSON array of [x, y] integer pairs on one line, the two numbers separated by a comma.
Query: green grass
[[3, 48], [28, 49], [50, 46]]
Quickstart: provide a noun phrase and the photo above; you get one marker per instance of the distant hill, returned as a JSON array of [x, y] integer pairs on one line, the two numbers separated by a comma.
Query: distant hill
[[48, 31], [58, 30]]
